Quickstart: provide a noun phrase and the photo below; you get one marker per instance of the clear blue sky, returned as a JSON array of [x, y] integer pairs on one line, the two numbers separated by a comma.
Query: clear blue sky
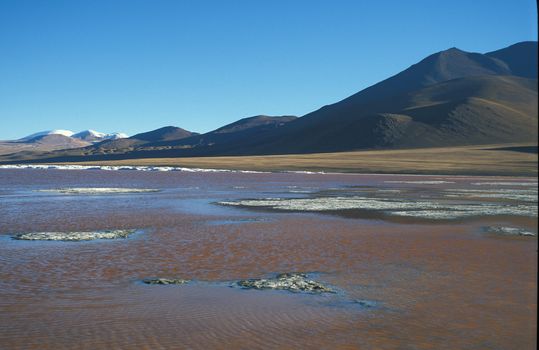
[[137, 65]]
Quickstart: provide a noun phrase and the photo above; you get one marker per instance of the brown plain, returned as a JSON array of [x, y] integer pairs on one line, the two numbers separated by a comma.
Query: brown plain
[[462, 160]]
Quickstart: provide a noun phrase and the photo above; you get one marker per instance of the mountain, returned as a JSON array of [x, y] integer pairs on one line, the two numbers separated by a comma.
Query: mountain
[[67, 133], [520, 58], [41, 142], [428, 104], [256, 123], [85, 135], [442, 66], [58, 139], [449, 98], [167, 133], [218, 140], [96, 136], [174, 138], [99, 143], [472, 110], [214, 142]]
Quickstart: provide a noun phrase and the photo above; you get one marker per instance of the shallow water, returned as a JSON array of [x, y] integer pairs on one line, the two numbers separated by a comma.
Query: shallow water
[[426, 283]]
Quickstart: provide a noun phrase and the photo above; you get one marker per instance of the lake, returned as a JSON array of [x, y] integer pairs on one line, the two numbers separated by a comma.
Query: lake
[[416, 262]]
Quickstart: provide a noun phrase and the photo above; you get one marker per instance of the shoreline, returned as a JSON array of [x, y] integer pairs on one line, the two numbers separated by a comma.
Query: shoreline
[[479, 160], [157, 168]]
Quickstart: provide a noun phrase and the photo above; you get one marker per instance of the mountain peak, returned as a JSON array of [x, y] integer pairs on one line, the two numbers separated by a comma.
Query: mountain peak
[[165, 133], [96, 136], [63, 132], [442, 66], [453, 50], [256, 121], [521, 58], [88, 132]]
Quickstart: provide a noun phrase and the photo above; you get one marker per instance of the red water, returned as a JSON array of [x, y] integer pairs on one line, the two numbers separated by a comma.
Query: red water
[[436, 285]]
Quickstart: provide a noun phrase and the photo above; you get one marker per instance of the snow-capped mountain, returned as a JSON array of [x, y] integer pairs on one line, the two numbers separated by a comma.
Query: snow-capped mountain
[[96, 136], [85, 135], [40, 134], [58, 139]]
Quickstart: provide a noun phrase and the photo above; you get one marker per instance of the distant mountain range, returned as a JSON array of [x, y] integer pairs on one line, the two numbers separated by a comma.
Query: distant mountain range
[[85, 135], [449, 98], [58, 139]]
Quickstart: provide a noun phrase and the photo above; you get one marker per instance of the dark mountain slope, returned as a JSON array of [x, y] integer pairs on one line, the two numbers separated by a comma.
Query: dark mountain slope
[[237, 132], [473, 110], [442, 66], [521, 58], [177, 138], [346, 125], [259, 121], [166, 133]]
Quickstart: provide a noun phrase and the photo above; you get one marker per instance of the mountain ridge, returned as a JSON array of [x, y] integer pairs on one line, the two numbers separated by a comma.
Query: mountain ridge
[[449, 98]]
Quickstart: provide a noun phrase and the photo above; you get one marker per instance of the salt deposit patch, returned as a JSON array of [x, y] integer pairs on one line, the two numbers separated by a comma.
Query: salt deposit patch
[[464, 211], [433, 182], [528, 195], [74, 236], [331, 203], [509, 231], [123, 167], [99, 190], [399, 207], [434, 214], [505, 184]]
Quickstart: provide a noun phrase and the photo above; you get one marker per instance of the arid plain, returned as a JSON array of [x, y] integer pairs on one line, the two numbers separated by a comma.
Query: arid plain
[[502, 159]]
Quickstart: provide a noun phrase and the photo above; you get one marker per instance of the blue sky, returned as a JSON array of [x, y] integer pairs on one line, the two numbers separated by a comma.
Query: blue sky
[[137, 65]]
